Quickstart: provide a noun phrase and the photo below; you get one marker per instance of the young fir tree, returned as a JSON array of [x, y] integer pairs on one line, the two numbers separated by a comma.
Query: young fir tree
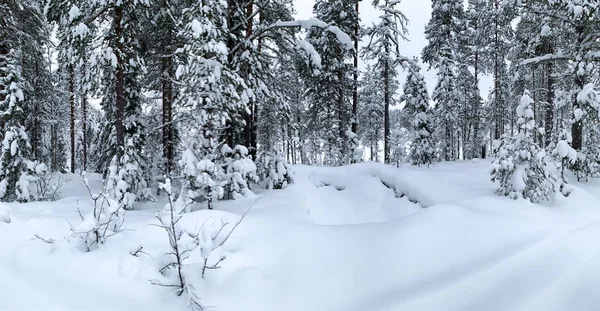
[[521, 169], [384, 48], [422, 150]]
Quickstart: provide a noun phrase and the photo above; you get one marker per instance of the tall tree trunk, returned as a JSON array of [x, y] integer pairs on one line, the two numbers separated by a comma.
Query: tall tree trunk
[[577, 127], [167, 108], [35, 132], [120, 83], [476, 122], [386, 110], [497, 109], [340, 113], [72, 115], [84, 118], [249, 118], [167, 103], [549, 117], [355, 86]]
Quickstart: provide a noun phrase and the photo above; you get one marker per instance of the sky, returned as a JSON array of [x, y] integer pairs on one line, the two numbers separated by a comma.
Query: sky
[[418, 12]]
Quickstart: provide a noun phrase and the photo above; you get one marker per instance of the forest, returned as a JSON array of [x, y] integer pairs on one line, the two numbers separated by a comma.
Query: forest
[[214, 109]]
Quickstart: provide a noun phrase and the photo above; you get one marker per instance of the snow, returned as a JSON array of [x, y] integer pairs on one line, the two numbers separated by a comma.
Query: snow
[[545, 31], [359, 237], [313, 22]]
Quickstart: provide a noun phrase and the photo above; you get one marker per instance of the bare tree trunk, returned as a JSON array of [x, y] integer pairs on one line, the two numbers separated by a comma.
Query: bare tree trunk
[[340, 112], [386, 111], [355, 86], [120, 82], [167, 105], [549, 118], [35, 135], [167, 108], [84, 118], [72, 115], [249, 118]]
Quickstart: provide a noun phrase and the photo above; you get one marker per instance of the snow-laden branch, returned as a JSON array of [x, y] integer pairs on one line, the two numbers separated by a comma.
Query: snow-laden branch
[[313, 22], [305, 24], [544, 58]]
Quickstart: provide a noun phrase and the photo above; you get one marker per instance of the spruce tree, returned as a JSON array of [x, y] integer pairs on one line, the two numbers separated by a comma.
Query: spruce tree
[[521, 169], [416, 98]]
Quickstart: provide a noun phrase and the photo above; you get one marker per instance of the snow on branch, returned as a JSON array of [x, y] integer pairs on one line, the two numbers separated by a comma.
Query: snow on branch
[[313, 22], [544, 58]]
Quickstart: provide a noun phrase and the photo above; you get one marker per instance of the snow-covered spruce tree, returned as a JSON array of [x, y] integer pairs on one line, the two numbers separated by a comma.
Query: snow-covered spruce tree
[[400, 138], [521, 169], [275, 170], [447, 105], [422, 150], [370, 111], [442, 32], [589, 158], [210, 95], [239, 170], [566, 155], [471, 127], [15, 164], [384, 48]]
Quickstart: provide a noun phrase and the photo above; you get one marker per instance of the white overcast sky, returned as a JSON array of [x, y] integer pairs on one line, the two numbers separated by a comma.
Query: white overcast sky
[[418, 13]]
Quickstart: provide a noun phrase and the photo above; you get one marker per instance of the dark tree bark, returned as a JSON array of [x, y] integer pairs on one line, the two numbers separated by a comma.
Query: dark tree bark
[[120, 82], [577, 127], [167, 102], [549, 117], [84, 119], [386, 110], [72, 115], [167, 108], [355, 86]]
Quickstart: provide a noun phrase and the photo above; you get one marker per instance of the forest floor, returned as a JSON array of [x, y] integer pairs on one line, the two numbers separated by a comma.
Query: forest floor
[[365, 237]]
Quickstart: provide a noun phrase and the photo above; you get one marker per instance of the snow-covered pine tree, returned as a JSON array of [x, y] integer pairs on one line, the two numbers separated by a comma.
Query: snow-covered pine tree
[[521, 169], [330, 90], [442, 32], [447, 106], [384, 49], [423, 147]]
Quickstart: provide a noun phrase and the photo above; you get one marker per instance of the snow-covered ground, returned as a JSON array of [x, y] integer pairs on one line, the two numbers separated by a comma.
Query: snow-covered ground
[[362, 237]]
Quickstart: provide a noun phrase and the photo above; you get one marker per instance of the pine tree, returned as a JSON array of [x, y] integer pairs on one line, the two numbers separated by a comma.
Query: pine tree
[[384, 48], [330, 89]]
